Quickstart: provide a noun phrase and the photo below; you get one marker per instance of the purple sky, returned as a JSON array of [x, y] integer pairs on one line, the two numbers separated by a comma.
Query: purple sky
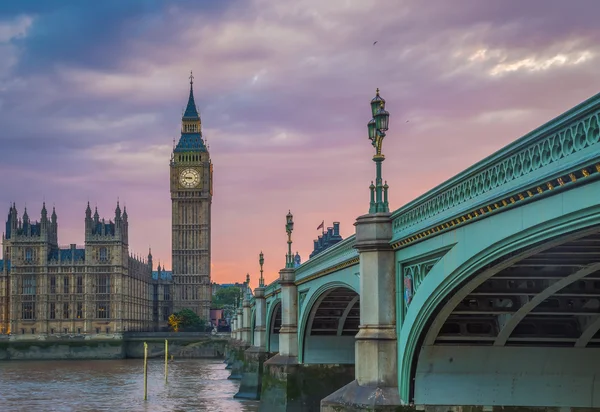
[[91, 97]]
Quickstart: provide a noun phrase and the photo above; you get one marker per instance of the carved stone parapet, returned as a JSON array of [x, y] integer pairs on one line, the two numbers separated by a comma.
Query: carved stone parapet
[[373, 232], [259, 293], [287, 276]]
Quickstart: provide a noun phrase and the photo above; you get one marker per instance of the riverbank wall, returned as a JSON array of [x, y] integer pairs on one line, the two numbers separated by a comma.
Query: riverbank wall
[[114, 346]]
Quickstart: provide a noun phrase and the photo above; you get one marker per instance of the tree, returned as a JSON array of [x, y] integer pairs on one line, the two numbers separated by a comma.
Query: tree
[[187, 321], [225, 297]]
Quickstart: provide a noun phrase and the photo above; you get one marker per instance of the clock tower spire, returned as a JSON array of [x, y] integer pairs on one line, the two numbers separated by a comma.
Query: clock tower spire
[[191, 197]]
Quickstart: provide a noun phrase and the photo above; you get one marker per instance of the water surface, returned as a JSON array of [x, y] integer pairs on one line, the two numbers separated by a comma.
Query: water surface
[[117, 385]]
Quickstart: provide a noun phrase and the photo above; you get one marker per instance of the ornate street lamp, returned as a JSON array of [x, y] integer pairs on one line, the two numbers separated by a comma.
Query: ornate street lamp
[[289, 227], [261, 261], [248, 291], [377, 127], [372, 125], [376, 103], [382, 118]]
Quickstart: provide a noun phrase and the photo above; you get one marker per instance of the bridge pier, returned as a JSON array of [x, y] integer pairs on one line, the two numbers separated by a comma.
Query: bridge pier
[[246, 316], [256, 355], [239, 324], [278, 380], [375, 386], [238, 346], [229, 354]]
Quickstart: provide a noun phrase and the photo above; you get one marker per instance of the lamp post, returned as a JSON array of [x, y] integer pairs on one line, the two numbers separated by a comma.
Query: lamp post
[[261, 261], [377, 127], [248, 292], [289, 227]]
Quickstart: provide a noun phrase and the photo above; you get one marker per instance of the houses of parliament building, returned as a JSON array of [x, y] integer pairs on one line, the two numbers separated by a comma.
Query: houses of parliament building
[[99, 288]]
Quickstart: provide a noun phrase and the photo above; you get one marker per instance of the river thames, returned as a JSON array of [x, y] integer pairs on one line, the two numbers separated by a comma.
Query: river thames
[[117, 385]]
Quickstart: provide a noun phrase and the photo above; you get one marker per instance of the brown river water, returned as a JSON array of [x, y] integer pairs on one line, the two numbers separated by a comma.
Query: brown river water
[[117, 385]]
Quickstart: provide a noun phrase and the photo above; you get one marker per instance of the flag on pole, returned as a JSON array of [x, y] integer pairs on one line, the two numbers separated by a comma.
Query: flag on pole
[[321, 226]]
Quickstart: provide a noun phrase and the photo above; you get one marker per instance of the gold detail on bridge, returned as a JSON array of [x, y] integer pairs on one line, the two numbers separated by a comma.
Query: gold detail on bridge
[[327, 271], [557, 183]]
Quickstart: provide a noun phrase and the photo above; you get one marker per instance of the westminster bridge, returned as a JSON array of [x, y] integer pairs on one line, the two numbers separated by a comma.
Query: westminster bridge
[[481, 295]]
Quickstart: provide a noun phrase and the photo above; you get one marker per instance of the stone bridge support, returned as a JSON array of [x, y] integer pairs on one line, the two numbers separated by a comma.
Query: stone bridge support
[[279, 385], [233, 328], [256, 355], [239, 324], [376, 385], [239, 344], [247, 329]]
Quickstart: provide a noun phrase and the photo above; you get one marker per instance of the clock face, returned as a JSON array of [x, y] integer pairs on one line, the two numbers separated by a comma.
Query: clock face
[[189, 178]]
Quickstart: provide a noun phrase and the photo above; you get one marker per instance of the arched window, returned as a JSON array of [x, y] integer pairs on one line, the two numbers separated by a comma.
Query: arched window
[[28, 254], [103, 254]]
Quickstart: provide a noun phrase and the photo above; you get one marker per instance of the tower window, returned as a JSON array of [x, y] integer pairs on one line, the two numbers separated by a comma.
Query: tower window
[[28, 255], [103, 254], [102, 310], [52, 312], [28, 285], [28, 310], [79, 284]]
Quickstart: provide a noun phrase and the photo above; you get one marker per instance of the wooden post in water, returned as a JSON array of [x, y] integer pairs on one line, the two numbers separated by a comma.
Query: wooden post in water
[[166, 359], [145, 371]]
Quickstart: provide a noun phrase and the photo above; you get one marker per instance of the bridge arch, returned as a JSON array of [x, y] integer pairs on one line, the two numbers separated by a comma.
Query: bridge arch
[[440, 312], [329, 324], [273, 326]]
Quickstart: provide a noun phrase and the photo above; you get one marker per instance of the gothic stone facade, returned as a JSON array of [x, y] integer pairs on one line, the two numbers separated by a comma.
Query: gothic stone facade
[[191, 196], [95, 289]]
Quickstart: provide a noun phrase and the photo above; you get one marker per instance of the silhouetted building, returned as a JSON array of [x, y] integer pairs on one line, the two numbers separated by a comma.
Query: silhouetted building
[[329, 238]]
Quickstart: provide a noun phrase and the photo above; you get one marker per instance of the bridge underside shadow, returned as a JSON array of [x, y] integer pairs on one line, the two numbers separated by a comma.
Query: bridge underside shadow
[[327, 331], [273, 329], [529, 335], [331, 327]]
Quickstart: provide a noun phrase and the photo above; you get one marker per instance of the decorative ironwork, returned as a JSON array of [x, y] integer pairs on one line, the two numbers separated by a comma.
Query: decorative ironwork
[[301, 298], [534, 192], [340, 266], [413, 275]]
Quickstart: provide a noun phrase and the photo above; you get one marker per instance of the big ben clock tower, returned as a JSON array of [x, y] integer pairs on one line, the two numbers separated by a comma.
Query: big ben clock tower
[[191, 196]]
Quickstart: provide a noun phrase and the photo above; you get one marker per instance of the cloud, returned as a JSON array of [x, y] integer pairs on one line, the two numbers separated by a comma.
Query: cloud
[[91, 97]]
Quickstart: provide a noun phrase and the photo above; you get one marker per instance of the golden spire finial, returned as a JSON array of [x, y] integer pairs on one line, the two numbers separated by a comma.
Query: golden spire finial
[[377, 91]]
